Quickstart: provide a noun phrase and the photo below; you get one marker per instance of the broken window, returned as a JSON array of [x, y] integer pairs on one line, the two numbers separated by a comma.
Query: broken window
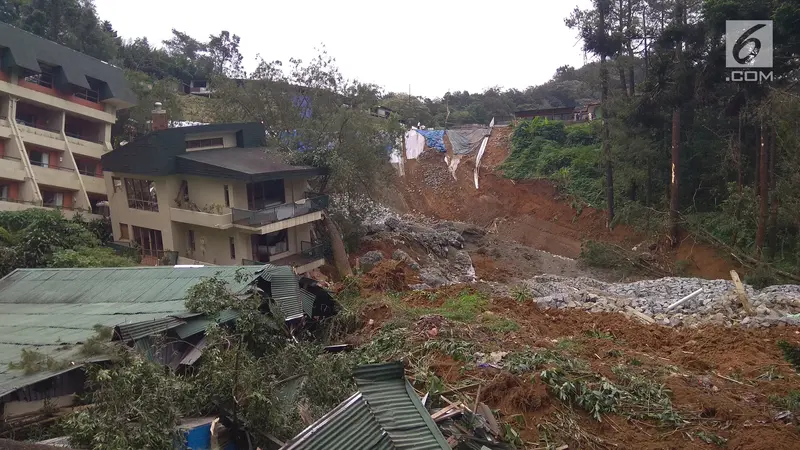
[[141, 194]]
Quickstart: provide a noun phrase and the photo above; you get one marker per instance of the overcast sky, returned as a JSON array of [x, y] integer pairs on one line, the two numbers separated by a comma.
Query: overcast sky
[[434, 46]]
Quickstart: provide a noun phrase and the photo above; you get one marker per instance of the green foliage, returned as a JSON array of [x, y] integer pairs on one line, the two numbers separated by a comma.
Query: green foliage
[[790, 402], [90, 257], [711, 438], [99, 343], [44, 238], [601, 254], [500, 325], [521, 292], [135, 405], [791, 353], [32, 361], [458, 350]]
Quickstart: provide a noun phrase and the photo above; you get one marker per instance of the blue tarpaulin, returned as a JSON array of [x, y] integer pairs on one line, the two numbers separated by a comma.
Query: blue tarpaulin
[[434, 139]]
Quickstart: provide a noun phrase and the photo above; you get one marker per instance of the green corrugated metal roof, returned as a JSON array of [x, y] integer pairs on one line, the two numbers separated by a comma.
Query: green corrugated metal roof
[[385, 414], [349, 425], [53, 310], [197, 324], [285, 290], [397, 407]]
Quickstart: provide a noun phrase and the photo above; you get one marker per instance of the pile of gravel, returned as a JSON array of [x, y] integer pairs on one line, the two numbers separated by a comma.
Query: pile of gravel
[[717, 303]]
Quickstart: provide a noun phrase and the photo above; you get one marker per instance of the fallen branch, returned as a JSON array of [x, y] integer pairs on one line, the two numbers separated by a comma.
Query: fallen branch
[[732, 380]]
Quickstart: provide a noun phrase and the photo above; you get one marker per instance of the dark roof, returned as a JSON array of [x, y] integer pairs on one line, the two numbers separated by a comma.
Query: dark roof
[[72, 68], [156, 153], [249, 164]]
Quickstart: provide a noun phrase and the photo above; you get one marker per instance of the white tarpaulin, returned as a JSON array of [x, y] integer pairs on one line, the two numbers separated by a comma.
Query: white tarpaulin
[[481, 151], [415, 144]]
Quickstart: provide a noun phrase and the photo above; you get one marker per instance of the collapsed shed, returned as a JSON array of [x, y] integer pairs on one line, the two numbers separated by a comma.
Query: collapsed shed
[[49, 315]]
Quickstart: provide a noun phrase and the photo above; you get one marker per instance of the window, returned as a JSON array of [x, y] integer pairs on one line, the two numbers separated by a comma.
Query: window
[[4, 191], [265, 194], [42, 79], [39, 158], [233, 247], [210, 142], [227, 196], [117, 184], [192, 245], [149, 241], [124, 234], [141, 194], [86, 167], [53, 199], [87, 94], [200, 83]]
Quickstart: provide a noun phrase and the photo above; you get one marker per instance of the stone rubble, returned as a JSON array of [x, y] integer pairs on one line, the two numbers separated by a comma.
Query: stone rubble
[[716, 304]]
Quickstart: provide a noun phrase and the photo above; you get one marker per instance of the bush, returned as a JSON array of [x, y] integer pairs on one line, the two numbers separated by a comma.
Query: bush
[[90, 257]]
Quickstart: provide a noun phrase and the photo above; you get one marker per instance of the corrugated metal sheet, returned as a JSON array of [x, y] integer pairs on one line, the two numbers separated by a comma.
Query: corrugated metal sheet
[[285, 290], [199, 324], [350, 425], [133, 331], [397, 407], [307, 299], [53, 311]]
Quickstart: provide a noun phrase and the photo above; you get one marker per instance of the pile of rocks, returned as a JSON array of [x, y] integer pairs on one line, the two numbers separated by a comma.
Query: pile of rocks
[[443, 259], [717, 303]]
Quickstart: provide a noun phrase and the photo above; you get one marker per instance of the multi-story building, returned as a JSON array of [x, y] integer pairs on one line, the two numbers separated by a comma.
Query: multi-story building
[[56, 111], [214, 194]]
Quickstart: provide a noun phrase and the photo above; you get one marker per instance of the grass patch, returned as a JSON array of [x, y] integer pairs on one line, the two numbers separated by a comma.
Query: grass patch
[[465, 307], [595, 334], [501, 325], [567, 344], [458, 350], [790, 402], [521, 293], [791, 354]]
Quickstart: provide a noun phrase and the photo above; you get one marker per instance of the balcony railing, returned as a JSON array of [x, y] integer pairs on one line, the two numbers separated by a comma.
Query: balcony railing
[[311, 249], [12, 158], [89, 173], [51, 166], [82, 137], [42, 79], [277, 213]]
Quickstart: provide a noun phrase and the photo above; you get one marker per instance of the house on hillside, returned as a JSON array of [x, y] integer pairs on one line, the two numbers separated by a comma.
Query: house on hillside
[[214, 194], [57, 107], [52, 313], [563, 113]]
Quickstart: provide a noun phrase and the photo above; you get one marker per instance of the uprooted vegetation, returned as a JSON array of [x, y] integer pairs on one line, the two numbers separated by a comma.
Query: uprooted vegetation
[[553, 378]]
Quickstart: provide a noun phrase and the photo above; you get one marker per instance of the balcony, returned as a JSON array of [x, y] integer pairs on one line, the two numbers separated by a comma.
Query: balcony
[[61, 177], [11, 168], [5, 128], [92, 182], [310, 257], [281, 213], [203, 219], [86, 146], [40, 136], [68, 213]]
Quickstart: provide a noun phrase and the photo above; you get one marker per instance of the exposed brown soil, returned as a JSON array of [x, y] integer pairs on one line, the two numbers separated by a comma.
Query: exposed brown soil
[[690, 362], [532, 212]]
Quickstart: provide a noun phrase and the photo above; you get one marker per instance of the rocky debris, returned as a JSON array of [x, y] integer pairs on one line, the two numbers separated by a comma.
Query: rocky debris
[[717, 303], [369, 260], [399, 255], [439, 246]]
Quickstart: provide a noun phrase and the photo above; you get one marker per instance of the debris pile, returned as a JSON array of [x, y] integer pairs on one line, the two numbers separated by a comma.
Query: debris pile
[[717, 301], [438, 250]]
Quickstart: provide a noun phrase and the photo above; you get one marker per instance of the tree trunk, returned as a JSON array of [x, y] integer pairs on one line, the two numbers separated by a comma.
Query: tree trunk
[[739, 176], [629, 44], [763, 199], [772, 234], [622, 82], [340, 260], [648, 192], [606, 133], [674, 195], [644, 36]]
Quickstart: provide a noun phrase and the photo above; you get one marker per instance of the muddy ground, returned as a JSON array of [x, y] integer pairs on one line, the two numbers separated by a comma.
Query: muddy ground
[[724, 383], [531, 213]]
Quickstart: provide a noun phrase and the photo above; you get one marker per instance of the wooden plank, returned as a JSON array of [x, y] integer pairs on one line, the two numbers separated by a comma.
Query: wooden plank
[[741, 292], [640, 315]]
